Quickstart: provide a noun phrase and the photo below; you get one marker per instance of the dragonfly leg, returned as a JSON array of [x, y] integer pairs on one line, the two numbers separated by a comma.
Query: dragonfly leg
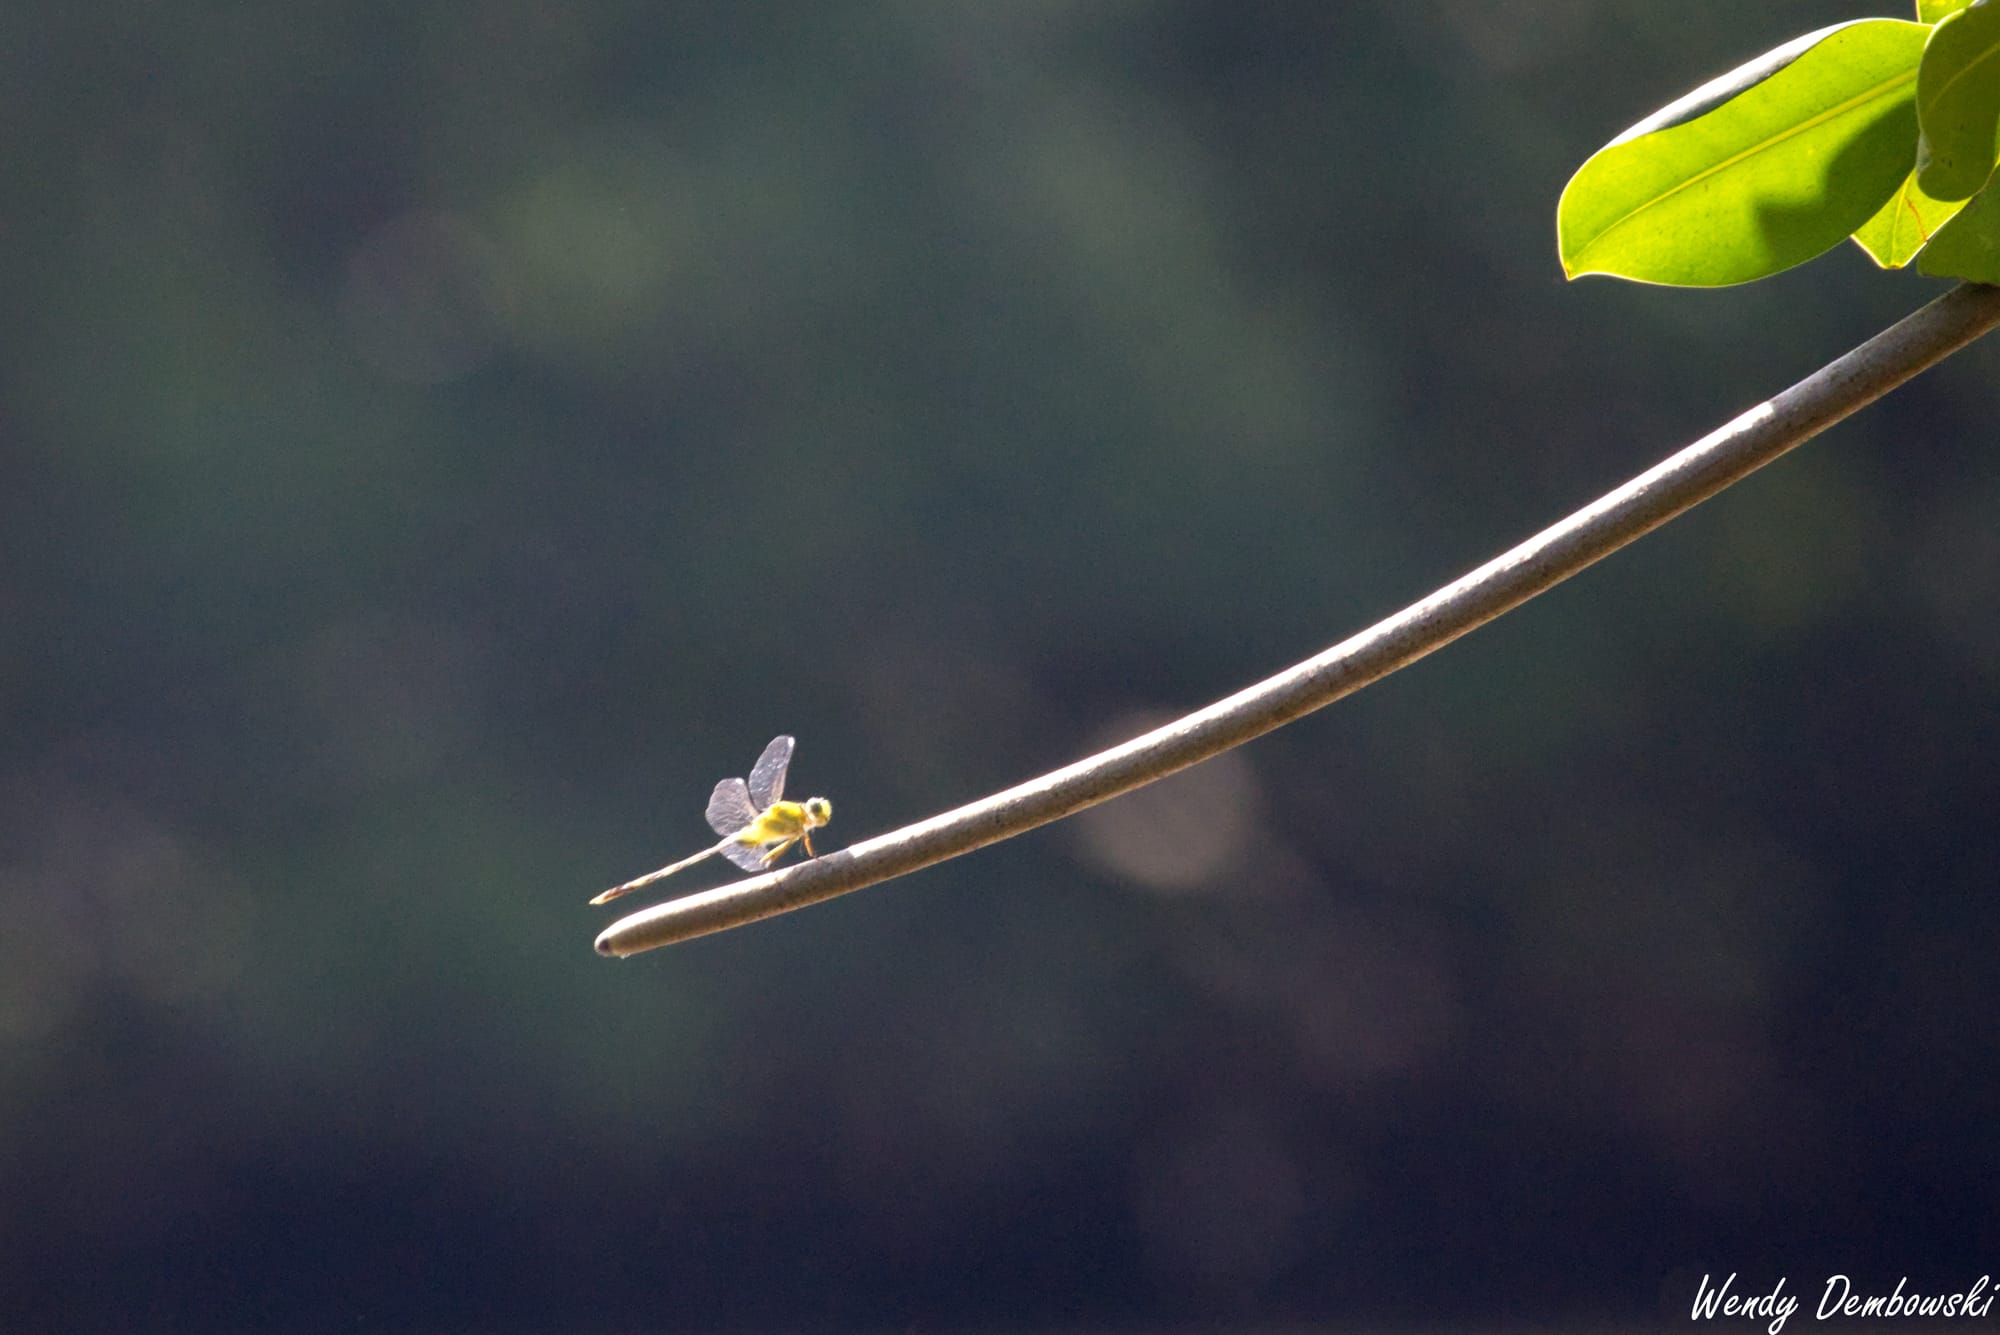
[[808, 840], [778, 852]]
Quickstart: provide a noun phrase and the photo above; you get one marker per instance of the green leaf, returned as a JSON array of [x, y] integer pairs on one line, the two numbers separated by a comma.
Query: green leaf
[[1937, 11], [1958, 102], [1904, 225], [1754, 172], [1968, 246]]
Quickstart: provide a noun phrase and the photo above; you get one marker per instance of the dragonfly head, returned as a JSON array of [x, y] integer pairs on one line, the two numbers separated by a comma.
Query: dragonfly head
[[818, 812]]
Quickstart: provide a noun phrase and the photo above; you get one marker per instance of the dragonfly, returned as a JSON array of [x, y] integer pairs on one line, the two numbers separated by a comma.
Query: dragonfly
[[756, 824]]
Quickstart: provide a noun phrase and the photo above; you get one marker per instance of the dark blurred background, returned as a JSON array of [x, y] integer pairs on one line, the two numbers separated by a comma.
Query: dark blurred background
[[440, 440]]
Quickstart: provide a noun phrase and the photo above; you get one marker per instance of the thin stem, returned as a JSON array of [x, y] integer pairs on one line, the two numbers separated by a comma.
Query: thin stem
[[1719, 459]]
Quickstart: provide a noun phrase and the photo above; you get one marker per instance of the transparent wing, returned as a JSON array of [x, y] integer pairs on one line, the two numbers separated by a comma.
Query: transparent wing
[[746, 856], [730, 809], [767, 776]]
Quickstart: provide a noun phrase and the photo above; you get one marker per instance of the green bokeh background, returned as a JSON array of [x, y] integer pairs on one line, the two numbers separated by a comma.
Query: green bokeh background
[[438, 441]]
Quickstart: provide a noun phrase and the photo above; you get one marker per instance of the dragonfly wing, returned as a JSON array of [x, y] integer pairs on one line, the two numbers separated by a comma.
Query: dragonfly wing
[[767, 776], [750, 857], [730, 808]]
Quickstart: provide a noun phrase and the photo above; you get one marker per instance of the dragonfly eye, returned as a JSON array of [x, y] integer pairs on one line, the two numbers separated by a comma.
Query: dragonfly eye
[[818, 810]]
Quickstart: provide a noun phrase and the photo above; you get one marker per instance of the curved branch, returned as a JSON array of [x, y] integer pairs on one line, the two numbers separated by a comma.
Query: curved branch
[[1679, 483]]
